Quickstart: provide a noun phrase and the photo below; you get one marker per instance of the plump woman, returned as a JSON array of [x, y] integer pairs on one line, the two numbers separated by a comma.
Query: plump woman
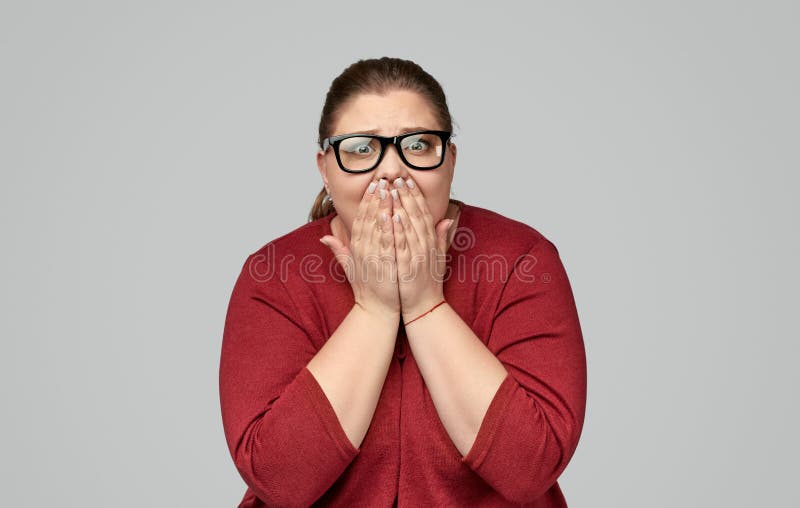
[[427, 352]]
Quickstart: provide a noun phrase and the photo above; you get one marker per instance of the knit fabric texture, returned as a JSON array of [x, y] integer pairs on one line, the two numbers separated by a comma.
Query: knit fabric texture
[[504, 279]]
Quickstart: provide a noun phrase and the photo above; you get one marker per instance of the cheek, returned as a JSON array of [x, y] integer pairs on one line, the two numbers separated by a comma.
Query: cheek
[[437, 194], [352, 189], [434, 189]]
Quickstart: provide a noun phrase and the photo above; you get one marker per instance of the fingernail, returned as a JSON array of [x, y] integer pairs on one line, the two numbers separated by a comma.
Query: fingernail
[[411, 183], [396, 217], [324, 242], [371, 188], [383, 193], [383, 183], [398, 183], [394, 194], [383, 216], [450, 223]]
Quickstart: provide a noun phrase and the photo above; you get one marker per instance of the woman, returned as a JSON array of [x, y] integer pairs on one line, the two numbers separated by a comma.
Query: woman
[[374, 370]]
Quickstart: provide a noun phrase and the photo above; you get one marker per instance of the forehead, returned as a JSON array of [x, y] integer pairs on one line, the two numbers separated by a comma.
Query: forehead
[[386, 113]]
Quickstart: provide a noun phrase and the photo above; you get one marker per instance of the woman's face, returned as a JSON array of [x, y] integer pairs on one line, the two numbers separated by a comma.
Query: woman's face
[[388, 115]]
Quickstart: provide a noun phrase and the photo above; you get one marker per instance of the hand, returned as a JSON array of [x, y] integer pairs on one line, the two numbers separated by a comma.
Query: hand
[[369, 260], [420, 250]]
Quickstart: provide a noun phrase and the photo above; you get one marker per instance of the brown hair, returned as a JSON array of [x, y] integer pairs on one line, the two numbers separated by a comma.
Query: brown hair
[[376, 76]]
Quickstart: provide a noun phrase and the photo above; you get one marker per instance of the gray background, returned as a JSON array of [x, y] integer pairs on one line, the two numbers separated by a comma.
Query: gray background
[[148, 147]]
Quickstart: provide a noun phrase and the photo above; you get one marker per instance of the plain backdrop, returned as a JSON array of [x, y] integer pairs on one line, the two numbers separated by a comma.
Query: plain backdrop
[[148, 147]]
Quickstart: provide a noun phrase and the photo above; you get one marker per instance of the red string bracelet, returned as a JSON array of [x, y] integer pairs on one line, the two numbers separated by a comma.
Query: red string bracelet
[[406, 324]]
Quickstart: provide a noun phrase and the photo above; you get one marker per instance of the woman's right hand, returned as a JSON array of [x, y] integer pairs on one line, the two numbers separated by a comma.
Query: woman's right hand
[[369, 261]]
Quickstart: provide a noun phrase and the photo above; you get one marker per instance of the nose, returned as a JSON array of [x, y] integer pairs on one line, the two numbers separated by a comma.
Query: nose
[[391, 166]]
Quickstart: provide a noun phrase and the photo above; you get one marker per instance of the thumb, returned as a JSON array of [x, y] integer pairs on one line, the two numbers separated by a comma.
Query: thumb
[[340, 251], [442, 230]]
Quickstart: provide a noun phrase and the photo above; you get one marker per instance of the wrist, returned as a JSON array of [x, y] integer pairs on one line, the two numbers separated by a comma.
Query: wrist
[[378, 313], [418, 312]]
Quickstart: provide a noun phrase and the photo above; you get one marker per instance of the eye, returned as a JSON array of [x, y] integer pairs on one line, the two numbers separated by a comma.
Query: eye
[[361, 149], [417, 144], [358, 146]]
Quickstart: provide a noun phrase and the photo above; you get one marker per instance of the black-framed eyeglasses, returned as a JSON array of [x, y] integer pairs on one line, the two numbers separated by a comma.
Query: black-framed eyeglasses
[[359, 153]]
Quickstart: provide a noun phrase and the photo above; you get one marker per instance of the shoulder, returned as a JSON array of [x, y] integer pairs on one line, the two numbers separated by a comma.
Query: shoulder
[[492, 232], [297, 239], [287, 255], [488, 247]]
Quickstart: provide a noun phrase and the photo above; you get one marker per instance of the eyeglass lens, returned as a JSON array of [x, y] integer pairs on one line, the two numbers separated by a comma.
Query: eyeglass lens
[[420, 150]]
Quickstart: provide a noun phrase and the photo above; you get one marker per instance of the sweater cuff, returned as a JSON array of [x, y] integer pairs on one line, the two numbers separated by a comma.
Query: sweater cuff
[[324, 409], [492, 421]]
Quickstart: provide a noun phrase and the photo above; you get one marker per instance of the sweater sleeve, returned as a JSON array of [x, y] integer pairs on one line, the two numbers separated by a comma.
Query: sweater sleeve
[[282, 432], [532, 425]]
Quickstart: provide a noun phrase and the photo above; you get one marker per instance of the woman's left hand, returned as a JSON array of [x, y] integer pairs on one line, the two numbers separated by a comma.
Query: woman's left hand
[[420, 248]]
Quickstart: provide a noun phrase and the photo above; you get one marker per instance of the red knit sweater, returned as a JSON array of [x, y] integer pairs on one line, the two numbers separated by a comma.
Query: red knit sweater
[[504, 279]]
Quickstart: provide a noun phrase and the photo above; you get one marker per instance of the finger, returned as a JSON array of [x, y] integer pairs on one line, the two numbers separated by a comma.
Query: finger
[[419, 199], [412, 236], [358, 220], [442, 230], [400, 242], [378, 221], [341, 253], [408, 241], [387, 227], [387, 240], [369, 224], [381, 219], [414, 190], [419, 220]]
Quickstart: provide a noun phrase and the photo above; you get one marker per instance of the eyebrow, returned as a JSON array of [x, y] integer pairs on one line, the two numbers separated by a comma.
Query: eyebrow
[[402, 131]]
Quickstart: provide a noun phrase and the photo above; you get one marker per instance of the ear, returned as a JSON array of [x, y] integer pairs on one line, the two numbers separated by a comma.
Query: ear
[[322, 166], [453, 153]]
